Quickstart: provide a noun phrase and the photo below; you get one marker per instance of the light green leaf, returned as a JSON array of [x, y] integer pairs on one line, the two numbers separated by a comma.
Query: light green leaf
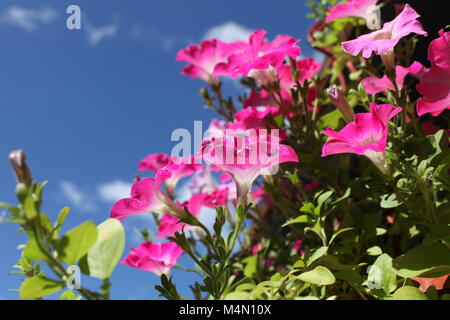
[[32, 251], [30, 208], [251, 266], [37, 287], [389, 201], [316, 254], [69, 295], [374, 251], [319, 276], [77, 242], [382, 279], [103, 257], [300, 219], [409, 293], [59, 222], [337, 233]]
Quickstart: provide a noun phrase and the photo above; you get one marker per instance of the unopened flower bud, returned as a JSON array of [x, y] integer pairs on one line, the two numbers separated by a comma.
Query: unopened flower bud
[[19, 163], [388, 59], [340, 102]]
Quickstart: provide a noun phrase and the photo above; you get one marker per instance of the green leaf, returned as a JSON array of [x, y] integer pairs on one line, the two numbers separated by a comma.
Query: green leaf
[[389, 201], [429, 260], [409, 293], [319, 276], [77, 242], [337, 233], [374, 251], [251, 266], [382, 278], [103, 257], [315, 254], [59, 222], [30, 208], [300, 219], [32, 251], [69, 295], [37, 287]]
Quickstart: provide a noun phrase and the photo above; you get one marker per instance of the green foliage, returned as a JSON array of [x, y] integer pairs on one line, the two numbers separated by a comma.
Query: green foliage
[[104, 255], [77, 242]]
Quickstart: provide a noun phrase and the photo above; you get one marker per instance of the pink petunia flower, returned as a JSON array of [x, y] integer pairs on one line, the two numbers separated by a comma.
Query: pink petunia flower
[[367, 135], [153, 162], [168, 224], [157, 258], [260, 55], [202, 59], [179, 168], [246, 156], [383, 41], [147, 196], [297, 247], [435, 83], [365, 9], [374, 85], [258, 247]]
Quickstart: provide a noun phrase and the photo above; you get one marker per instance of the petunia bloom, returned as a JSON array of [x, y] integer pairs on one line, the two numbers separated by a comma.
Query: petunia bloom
[[153, 162], [367, 135], [157, 258], [435, 83], [245, 156], [147, 196], [260, 55], [383, 41], [365, 9], [169, 224], [202, 59], [374, 85]]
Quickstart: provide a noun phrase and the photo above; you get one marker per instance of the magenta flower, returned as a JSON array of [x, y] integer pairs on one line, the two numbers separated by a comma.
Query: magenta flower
[[157, 258], [365, 9], [179, 168], [169, 224], [307, 68], [367, 135], [384, 40], [259, 55], [245, 157], [202, 59], [147, 196], [153, 162], [435, 83], [374, 85]]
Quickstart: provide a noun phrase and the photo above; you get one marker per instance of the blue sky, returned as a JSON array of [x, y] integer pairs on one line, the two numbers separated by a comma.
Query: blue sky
[[86, 105]]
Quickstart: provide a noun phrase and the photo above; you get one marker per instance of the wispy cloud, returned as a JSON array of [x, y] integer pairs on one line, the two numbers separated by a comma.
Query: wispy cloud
[[152, 36], [92, 198], [228, 32], [113, 191], [78, 198], [96, 34], [28, 19]]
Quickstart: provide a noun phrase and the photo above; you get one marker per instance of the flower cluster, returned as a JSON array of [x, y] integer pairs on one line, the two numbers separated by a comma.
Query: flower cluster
[[288, 114]]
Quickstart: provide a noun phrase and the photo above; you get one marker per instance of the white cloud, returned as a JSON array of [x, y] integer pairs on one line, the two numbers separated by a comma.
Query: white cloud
[[97, 34], [113, 191], [77, 197], [28, 19], [228, 32], [153, 37]]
